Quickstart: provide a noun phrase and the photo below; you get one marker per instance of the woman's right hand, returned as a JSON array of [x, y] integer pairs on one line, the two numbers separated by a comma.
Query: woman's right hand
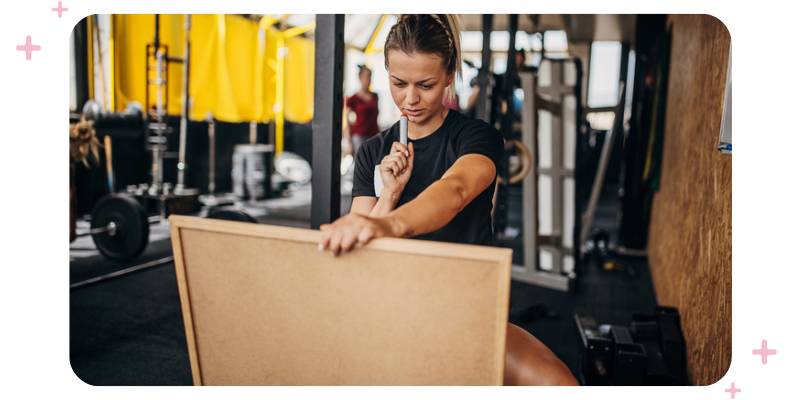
[[396, 169]]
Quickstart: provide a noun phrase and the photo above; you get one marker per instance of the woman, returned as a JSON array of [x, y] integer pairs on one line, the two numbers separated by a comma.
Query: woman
[[365, 104], [441, 186]]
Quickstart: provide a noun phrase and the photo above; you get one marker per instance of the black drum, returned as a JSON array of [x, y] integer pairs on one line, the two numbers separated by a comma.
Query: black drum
[[252, 171]]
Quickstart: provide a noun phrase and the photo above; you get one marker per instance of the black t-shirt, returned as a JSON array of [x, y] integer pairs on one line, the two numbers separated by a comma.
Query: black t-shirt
[[433, 155]]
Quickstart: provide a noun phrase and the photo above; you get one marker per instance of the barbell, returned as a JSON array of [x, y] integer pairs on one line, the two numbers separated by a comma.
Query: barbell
[[120, 227]]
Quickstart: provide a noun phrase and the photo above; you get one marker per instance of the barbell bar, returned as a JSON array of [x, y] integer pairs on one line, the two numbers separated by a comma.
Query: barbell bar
[[120, 227]]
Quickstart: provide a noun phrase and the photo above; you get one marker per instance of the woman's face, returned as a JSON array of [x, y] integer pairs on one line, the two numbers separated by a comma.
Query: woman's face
[[366, 77], [418, 84]]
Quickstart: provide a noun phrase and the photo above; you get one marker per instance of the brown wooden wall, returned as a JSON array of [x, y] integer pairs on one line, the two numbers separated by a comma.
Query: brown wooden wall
[[690, 236]]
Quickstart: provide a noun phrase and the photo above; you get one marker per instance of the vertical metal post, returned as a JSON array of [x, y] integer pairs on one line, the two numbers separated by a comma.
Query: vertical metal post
[[511, 75], [253, 132], [212, 186], [599, 177], [483, 110], [530, 206], [187, 26], [280, 92], [327, 124], [557, 156], [81, 46], [158, 159], [506, 127]]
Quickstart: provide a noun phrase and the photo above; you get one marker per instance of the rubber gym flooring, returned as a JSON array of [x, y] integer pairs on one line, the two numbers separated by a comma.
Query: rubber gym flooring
[[129, 330]]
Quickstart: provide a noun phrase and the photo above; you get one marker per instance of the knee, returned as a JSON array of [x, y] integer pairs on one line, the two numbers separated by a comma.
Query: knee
[[530, 362]]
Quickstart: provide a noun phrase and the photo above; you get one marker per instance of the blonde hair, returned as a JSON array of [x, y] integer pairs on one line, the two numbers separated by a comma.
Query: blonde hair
[[83, 143], [438, 34]]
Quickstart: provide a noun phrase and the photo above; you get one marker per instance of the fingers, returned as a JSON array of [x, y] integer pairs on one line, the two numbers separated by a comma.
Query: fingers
[[325, 238], [335, 243], [365, 236], [396, 162], [345, 233], [398, 147]]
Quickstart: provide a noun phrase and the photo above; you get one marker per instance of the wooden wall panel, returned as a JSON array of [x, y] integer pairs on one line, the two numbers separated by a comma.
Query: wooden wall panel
[[690, 238], [262, 306]]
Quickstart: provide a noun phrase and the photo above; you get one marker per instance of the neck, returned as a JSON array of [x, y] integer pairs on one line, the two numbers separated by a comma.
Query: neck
[[419, 131]]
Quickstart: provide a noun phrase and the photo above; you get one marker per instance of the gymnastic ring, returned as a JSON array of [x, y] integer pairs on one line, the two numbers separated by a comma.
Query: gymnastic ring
[[519, 173]]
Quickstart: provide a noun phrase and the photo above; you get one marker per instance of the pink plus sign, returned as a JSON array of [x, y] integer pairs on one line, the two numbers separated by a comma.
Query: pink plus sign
[[733, 390], [60, 9], [28, 47], [764, 352]]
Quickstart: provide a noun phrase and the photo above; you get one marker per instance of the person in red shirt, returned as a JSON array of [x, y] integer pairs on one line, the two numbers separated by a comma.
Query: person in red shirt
[[365, 105]]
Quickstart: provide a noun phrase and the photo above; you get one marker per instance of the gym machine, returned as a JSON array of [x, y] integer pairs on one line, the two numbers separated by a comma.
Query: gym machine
[[551, 111]]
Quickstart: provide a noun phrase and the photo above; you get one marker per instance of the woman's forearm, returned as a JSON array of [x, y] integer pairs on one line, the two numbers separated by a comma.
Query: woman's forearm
[[437, 205], [431, 210], [386, 204]]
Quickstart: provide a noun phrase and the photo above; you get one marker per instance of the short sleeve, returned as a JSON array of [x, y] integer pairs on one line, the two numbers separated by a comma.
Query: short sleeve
[[480, 138], [363, 175], [349, 102]]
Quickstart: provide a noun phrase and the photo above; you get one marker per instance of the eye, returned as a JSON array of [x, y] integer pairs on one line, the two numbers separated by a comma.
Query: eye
[[399, 84], [426, 86]]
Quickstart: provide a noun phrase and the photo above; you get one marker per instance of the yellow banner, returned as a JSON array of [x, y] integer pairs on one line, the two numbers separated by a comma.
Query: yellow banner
[[232, 71]]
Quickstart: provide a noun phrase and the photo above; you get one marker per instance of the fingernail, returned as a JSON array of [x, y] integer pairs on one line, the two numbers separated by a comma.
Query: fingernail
[[320, 247], [407, 153], [333, 254]]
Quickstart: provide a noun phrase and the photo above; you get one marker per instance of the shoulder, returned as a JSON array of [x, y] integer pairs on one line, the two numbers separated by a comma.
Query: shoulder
[[463, 126], [475, 136], [375, 145]]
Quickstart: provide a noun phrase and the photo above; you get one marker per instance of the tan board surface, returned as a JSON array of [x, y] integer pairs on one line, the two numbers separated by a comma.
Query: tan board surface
[[262, 306], [690, 241]]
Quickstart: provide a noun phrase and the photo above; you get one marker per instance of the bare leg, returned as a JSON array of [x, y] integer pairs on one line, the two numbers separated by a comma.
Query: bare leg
[[530, 363]]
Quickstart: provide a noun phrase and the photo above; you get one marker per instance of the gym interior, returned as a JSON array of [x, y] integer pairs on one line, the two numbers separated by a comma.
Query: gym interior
[[614, 193]]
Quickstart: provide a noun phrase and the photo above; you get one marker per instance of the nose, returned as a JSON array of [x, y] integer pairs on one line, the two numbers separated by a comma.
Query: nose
[[412, 95]]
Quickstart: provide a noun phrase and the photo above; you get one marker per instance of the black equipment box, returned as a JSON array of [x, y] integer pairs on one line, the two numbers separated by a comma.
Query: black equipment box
[[652, 351]]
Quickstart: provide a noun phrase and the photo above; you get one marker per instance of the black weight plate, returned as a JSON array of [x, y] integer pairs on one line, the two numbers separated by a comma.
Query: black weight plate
[[132, 228], [231, 215]]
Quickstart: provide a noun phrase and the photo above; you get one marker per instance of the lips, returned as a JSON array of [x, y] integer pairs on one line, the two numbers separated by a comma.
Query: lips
[[413, 113]]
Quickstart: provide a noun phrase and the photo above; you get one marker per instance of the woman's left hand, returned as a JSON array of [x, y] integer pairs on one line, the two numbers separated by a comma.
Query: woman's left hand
[[351, 230]]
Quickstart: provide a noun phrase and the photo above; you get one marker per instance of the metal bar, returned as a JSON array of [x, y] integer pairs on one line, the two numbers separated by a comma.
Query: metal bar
[[298, 30], [588, 216], [157, 148], [544, 279], [90, 56], [81, 47], [557, 140], [187, 26], [369, 48], [101, 229], [511, 72], [156, 40], [120, 273], [530, 227], [327, 124], [211, 153], [111, 66], [280, 92], [483, 110]]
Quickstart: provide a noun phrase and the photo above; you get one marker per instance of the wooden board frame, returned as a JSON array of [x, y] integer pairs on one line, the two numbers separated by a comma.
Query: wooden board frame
[[261, 306]]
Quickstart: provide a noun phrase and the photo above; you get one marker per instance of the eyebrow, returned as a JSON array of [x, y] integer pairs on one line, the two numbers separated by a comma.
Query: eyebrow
[[422, 81]]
